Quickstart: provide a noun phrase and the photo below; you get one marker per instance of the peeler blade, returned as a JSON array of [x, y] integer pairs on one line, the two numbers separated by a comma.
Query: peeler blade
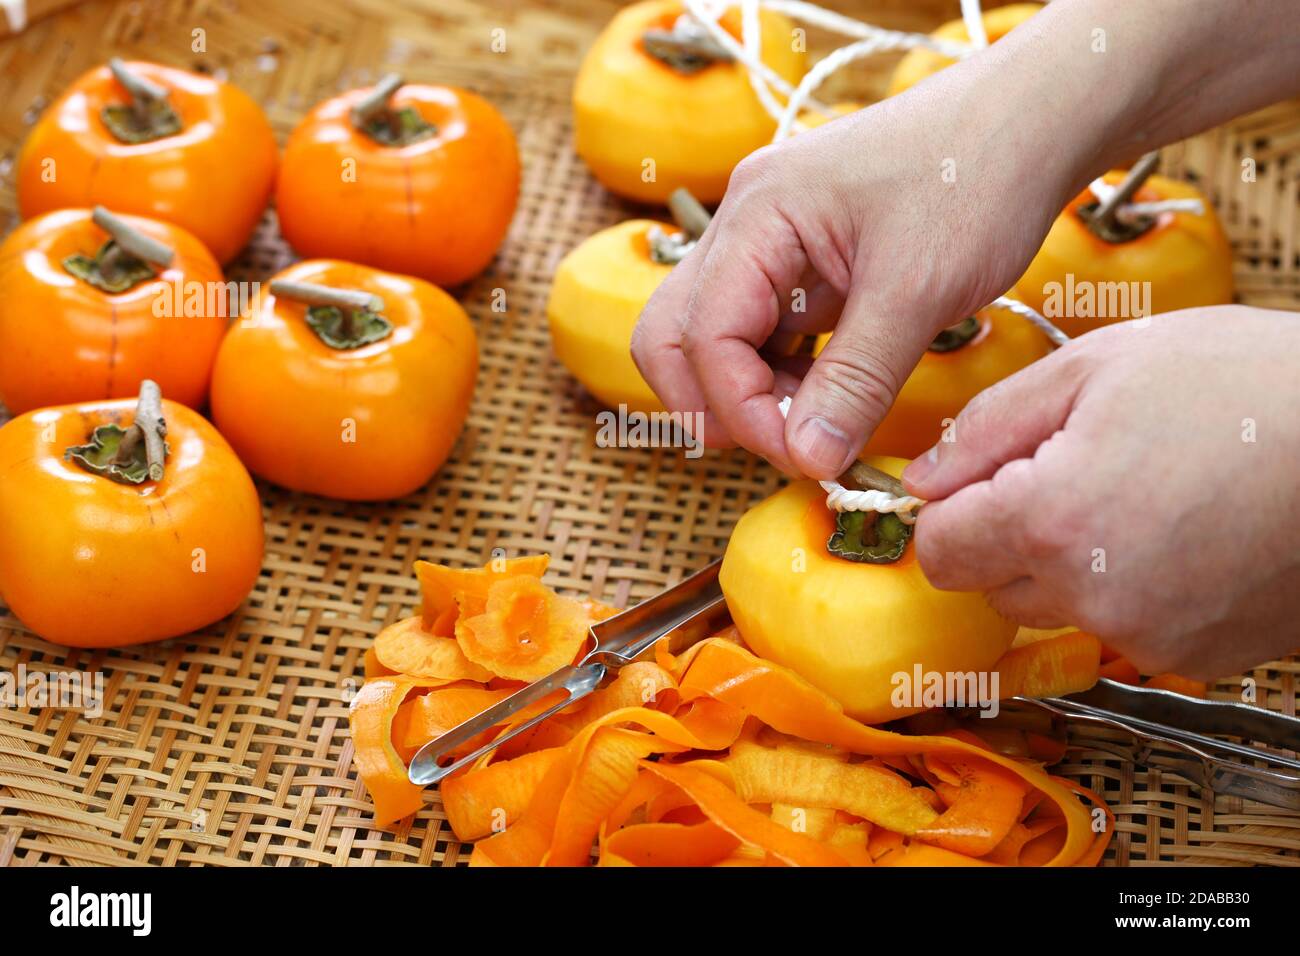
[[684, 614]]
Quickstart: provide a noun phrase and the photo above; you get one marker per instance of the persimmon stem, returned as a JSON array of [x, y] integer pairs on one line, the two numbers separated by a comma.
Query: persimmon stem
[[376, 100], [670, 248], [350, 304], [867, 478], [1104, 217], [149, 427], [312, 293], [688, 212], [143, 91], [692, 51], [131, 240]]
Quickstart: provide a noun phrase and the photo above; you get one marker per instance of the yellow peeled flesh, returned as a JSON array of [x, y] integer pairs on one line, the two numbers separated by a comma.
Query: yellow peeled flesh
[[645, 129], [598, 293], [848, 628]]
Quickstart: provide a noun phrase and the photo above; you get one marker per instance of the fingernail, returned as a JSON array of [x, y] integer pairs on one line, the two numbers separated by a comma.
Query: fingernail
[[922, 468], [822, 447]]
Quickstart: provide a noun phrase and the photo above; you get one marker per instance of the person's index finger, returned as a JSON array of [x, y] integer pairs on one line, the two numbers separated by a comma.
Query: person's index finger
[[733, 308], [1007, 421], [961, 542], [657, 339], [739, 387]]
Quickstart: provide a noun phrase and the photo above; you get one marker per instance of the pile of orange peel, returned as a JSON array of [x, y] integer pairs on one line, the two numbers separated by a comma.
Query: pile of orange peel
[[714, 757]]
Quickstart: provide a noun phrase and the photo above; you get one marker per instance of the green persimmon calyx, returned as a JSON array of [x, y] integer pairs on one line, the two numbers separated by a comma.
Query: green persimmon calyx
[[344, 328], [869, 537], [125, 260], [111, 269], [377, 118], [147, 117], [341, 318], [129, 456], [956, 336]]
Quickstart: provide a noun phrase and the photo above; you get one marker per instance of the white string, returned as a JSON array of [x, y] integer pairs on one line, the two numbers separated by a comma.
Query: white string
[[974, 17], [869, 41], [754, 64], [839, 498], [823, 68], [1127, 212], [1035, 317], [751, 32]]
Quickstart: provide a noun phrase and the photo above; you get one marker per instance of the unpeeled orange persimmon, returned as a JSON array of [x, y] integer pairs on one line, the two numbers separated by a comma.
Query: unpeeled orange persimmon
[[82, 317], [154, 141], [346, 381], [415, 179], [123, 522]]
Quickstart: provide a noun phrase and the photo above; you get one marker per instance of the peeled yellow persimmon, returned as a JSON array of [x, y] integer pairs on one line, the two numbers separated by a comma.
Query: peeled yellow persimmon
[[920, 62], [1081, 281], [846, 627], [598, 293], [646, 126], [962, 362]]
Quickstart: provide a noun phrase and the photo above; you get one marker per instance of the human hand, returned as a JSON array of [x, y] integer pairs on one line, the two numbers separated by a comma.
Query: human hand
[[894, 218], [1139, 483], [860, 216]]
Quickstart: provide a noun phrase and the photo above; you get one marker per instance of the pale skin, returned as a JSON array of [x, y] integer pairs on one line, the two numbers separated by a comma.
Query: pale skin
[[1132, 445]]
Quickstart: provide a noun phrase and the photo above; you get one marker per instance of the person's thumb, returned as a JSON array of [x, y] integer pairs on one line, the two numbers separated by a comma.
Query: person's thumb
[[1004, 422], [851, 385]]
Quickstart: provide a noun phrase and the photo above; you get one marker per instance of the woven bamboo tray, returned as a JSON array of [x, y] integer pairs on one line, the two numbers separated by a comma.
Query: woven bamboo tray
[[231, 747]]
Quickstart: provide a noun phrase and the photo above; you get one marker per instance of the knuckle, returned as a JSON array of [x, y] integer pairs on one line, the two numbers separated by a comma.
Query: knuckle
[[640, 345], [931, 545], [751, 171], [855, 378], [694, 338]]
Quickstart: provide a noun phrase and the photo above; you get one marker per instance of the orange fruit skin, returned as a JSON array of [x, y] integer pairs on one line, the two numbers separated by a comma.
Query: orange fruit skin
[[88, 562], [438, 208], [1185, 257], [848, 628], [213, 178], [363, 424], [62, 340]]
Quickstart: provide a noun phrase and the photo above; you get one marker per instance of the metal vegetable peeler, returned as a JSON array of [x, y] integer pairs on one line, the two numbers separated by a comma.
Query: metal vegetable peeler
[[1166, 730], [1173, 732], [683, 615]]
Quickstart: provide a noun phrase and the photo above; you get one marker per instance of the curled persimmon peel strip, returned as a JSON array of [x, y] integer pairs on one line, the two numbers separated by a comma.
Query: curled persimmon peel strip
[[671, 764]]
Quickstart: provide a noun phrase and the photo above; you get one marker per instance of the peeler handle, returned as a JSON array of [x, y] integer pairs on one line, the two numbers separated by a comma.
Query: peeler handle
[[1219, 765], [1191, 714], [578, 681]]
